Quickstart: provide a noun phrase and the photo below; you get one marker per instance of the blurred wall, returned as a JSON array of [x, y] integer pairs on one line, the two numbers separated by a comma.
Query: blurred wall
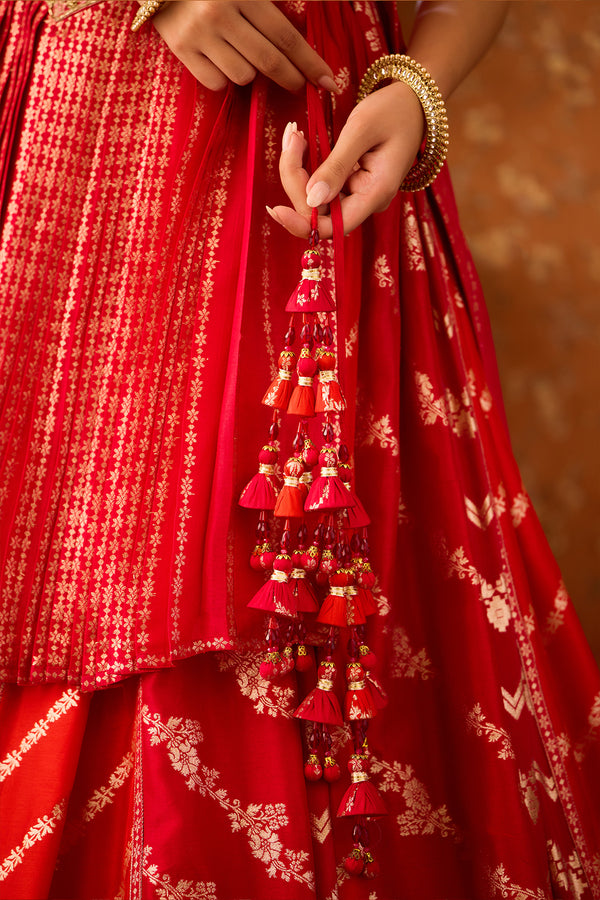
[[525, 156]]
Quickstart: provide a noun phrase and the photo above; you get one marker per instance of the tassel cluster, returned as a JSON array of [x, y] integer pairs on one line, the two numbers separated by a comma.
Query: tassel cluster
[[312, 547]]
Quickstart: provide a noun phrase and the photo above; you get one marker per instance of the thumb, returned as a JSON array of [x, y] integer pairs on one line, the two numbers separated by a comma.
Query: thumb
[[328, 180]]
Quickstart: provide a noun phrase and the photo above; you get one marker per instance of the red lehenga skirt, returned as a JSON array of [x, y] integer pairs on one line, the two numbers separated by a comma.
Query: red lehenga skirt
[[143, 293]]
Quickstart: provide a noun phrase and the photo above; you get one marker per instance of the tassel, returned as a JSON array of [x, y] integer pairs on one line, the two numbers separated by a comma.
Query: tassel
[[329, 393], [306, 600], [260, 491], [322, 705], [310, 295], [279, 392], [358, 703], [328, 490], [333, 609], [302, 401], [276, 595], [290, 502], [362, 798]]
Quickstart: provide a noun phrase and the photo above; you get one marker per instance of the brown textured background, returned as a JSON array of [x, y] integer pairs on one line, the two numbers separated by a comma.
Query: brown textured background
[[525, 142]]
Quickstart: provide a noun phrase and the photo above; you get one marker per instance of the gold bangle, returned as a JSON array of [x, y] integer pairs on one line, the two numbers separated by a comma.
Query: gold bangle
[[145, 12], [399, 67]]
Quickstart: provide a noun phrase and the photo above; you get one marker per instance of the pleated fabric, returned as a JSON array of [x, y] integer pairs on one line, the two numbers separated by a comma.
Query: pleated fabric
[[143, 293]]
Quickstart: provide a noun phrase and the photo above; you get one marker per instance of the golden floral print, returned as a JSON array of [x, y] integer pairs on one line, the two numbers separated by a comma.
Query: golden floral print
[[556, 617], [69, 699], [44, 826], [268, 697], [184, 889], [406, 662], [495, 596], [484, 728], [413, 246], [261, 821], [518, 508], [455, 412], [420, 816], [383, 273], [380, 431], [502, 886]]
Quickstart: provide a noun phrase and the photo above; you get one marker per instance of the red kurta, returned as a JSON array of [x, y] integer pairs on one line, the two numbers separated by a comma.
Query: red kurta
[[142, 312]]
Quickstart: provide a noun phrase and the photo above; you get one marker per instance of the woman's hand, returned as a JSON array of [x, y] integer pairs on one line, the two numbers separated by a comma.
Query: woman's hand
[[375, 149], [231, 40]]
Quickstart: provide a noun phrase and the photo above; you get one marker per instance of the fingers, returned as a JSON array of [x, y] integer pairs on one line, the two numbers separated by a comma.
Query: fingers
[[296, 52], [291, 170], [354, 141]]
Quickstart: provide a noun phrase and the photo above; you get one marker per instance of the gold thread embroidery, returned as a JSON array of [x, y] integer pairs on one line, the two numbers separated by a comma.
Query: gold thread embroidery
[[184, 889], [261, 821], [420, 817], [406, 663], [320, 826], [484, 728], [44, 826], [502, 886], [12, 760], [267, 697]]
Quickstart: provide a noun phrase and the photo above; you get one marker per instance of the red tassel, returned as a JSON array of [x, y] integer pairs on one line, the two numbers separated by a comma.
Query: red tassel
[[260, 492], [362, 798], [322, 705], [328, 490], [333, 609], [329, 393], [306, 601], [358, 703], [290, 502], [310, 295], [276, 595], [279, 392], [302, 401]]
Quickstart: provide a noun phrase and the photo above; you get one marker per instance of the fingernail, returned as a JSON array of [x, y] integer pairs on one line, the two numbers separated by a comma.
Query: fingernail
[[272, 214], [326, 82], [287, 136], [317, 193]]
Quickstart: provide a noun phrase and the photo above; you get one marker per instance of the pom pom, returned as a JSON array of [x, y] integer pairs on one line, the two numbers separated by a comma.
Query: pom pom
[[312, 768], [269, 667], [331, 770], [367, 657], [371, 869], [353, 863], [304, 660]]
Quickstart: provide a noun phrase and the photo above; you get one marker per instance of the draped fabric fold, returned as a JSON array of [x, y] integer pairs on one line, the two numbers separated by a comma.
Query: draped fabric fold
[[142, 309]]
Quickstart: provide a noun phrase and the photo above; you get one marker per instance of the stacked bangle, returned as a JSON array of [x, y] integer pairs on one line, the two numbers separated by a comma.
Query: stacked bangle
[[399, 67], [145, 12]]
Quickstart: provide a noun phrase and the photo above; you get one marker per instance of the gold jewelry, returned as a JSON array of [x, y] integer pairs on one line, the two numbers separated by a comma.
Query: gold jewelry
[[399, 67], [145, 12]]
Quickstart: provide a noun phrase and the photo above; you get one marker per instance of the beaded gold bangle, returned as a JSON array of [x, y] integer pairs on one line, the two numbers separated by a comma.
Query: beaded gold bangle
[[145, 12], [399, 67]]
